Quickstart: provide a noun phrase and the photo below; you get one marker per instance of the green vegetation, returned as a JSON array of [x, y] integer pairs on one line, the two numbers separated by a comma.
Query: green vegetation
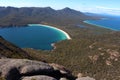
[[89, 52], [93, 51], [11, 51], [11, 16], [2, 78]]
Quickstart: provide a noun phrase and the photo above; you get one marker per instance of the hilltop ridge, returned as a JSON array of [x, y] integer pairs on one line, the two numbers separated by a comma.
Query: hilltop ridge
[[93, 51], [12, 16]]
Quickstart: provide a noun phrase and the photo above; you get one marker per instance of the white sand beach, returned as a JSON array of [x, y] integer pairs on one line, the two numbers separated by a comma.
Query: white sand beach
[[66, 34]]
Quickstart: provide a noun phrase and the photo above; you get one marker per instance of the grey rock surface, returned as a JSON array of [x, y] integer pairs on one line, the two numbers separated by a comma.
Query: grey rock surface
[[15, 69], [85, 78], [39, 77], [63, 79]]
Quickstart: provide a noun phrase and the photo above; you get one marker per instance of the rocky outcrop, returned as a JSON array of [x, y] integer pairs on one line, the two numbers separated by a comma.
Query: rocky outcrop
[[85, 78], [80, 76], [16, 69], [61, 68], [40, 77]]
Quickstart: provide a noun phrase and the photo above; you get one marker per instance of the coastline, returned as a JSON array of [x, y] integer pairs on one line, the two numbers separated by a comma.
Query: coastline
[[99, 26], [53, 44], [66, 34]]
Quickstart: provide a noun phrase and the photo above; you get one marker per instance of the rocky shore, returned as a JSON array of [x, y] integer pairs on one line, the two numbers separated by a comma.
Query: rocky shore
[[24, 69]]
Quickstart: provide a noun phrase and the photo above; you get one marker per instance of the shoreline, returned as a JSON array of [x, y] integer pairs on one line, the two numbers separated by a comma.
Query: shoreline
[[100, 26], [66, 34], [53, 44]]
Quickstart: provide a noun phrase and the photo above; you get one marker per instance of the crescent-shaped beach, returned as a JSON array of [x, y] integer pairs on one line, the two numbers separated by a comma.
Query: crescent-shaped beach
[[65, 33]]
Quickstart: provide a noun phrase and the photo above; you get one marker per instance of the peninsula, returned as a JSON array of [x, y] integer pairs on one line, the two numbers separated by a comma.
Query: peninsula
[[90, 52]]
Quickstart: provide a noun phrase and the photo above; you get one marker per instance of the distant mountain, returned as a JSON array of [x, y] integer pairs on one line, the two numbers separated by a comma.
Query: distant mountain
[[71, 12], [11, 16], [97, 15], [101, 15], [11, 51]]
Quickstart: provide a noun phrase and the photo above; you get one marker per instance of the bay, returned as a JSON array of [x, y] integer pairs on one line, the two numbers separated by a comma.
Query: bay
[[35, 36], [112, 22]]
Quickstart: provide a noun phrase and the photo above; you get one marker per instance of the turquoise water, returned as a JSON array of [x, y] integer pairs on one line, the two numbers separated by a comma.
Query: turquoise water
[[110, 23], [36, 37]]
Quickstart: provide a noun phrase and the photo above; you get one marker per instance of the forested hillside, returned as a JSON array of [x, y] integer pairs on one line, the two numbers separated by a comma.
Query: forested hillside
[[93, 51], [10, 16]]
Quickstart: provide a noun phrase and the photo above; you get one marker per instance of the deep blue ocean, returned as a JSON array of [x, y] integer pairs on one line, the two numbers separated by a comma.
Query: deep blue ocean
[[36, 37], [110, 22]]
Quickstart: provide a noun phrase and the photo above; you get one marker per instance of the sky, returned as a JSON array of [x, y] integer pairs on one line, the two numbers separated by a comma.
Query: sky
[[94, 6]]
